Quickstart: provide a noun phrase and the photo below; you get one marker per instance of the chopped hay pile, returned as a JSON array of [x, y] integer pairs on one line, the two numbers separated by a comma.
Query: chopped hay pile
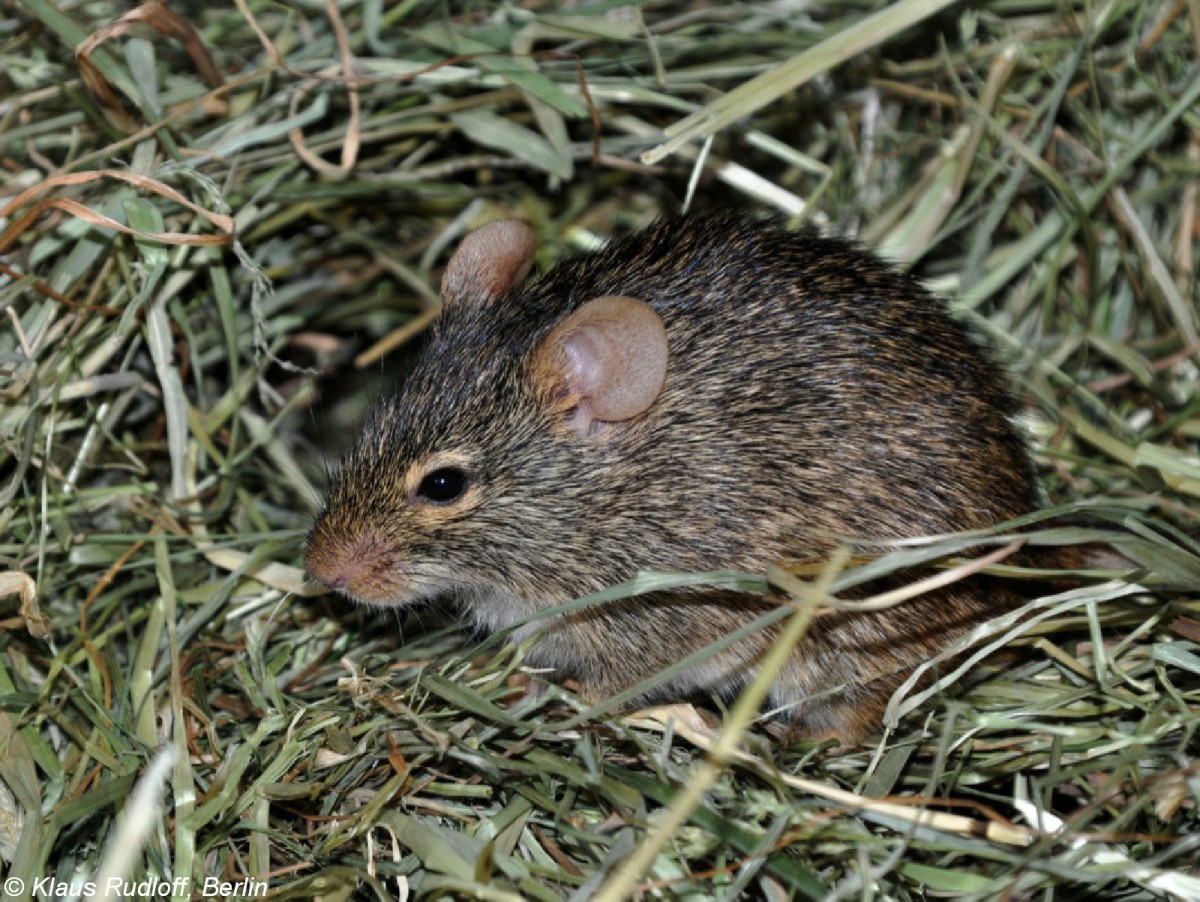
[[219, 227]]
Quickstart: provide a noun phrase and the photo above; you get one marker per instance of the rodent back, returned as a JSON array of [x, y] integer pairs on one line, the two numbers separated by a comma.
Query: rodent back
[[805, 372]]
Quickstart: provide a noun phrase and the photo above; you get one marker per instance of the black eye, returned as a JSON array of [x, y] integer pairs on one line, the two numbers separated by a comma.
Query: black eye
[[442, 486]]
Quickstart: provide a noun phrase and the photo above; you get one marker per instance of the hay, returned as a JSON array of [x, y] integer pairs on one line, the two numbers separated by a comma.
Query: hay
[[207, 213]]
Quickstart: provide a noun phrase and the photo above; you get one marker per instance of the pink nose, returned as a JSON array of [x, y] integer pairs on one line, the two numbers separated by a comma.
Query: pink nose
[[359, 566]]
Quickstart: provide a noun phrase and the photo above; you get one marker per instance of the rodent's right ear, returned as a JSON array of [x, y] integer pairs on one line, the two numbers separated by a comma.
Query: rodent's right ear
[[488, 262]]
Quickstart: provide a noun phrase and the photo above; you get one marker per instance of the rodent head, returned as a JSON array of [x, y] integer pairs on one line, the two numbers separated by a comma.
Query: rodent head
[[474, 464]]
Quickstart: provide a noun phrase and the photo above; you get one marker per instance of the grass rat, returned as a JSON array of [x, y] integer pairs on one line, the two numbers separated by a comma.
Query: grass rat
[[701, 395]]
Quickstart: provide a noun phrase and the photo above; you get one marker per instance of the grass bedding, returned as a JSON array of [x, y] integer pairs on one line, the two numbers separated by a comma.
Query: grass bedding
[[220, 227]]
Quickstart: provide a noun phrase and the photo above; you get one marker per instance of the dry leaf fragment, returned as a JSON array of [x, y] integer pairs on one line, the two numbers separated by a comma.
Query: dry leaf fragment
[[163, 20], [15, 582]]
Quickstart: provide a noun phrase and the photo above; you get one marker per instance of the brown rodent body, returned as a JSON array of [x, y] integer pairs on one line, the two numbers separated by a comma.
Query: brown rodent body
[[810, 391]]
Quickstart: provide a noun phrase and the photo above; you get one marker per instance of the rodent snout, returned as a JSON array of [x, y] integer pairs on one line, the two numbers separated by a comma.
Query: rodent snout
[[359, 566]]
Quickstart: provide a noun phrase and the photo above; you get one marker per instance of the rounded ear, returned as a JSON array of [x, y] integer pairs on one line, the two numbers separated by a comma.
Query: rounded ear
[[488, 262], [607, 362]]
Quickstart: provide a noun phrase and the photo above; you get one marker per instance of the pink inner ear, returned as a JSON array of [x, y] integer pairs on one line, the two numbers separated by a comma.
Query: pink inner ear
[[489, 262], [613, 357], [584, 362]]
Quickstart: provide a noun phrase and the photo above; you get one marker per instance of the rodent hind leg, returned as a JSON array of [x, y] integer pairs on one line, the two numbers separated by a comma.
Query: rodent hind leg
[[847, 713], [621, 652], [721, 676]]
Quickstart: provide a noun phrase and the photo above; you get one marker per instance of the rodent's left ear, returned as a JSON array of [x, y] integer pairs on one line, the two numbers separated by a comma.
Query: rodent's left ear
[[604, 363], [488, 262]]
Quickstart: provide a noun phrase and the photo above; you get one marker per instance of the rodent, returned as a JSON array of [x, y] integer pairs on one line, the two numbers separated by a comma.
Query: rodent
[[712, 392]]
